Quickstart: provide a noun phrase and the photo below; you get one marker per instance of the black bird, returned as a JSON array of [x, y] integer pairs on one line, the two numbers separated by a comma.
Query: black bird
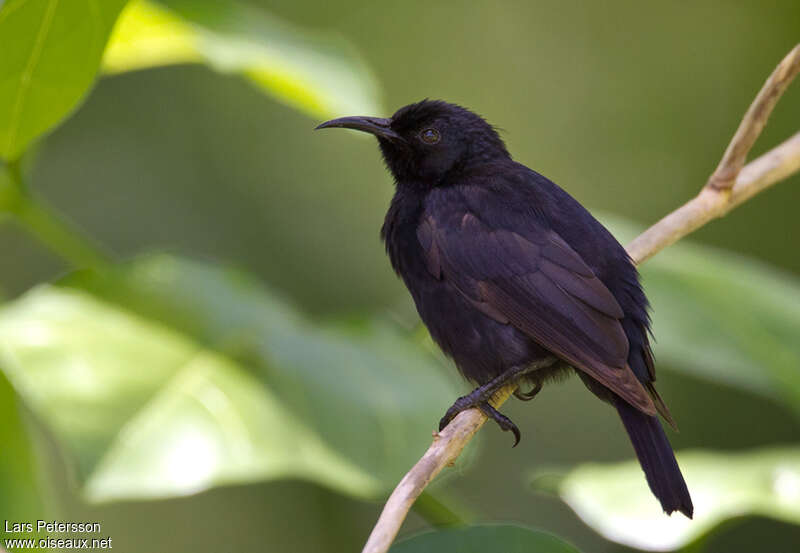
[[515, 279]]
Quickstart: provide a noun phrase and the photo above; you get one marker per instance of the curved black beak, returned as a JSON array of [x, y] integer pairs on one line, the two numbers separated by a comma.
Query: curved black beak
[[373, 125]]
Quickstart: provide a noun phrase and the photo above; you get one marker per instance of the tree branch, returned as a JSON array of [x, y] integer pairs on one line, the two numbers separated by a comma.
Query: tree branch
[[776, 165], [731, 184], [754, 120]]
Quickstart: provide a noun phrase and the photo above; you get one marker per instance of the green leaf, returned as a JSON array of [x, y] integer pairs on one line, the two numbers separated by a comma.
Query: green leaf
[[173, 376], [9, 194], [318, 73], [50, 56], [616, 502], [20, 498], [724, 317], [147, 413], [483, 539]]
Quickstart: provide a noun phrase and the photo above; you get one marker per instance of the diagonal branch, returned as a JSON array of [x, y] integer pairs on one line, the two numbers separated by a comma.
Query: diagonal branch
[[777, 164], [731, 184], [754, 120]]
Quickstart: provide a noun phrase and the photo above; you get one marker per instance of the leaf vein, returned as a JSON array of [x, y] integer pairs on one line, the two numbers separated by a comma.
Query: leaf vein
[[25, 78], [10, 8]]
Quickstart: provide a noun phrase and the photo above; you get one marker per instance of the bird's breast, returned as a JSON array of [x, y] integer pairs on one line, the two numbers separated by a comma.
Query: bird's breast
[[481, 346], [399, 233]]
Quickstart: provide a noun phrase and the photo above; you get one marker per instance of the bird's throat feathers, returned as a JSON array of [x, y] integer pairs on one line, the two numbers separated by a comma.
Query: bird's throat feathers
[[440, 142]]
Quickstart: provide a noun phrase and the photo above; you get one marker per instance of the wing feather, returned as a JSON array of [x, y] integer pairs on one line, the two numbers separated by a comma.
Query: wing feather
[[539, 284]]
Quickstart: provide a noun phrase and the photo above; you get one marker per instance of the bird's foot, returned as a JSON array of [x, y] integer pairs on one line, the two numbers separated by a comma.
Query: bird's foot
[[478, 398], [472, 399], [527, 396], [502, 421]]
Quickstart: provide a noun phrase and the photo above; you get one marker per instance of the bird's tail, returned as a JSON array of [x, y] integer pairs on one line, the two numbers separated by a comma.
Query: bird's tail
[[657, 459]]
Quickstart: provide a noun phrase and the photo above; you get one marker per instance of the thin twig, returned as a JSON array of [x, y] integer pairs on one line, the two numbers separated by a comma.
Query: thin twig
[[731, 184], [754, 120], [444, 450], [774, 166]]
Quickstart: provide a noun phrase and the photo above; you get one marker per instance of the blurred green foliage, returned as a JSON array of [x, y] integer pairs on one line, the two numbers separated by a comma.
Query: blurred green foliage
[[482, 538], [50, 58], [616, 501], [724, 317], [164, 364], [19, 487], [162, 377], [321, 74]]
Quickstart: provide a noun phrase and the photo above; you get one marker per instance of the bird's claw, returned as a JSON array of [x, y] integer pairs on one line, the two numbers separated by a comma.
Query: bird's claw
[[461, 404], [527, 396], [502, 421], [468, 402]]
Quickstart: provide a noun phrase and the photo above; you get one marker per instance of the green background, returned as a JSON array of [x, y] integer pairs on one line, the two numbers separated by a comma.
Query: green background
[[627, 105]]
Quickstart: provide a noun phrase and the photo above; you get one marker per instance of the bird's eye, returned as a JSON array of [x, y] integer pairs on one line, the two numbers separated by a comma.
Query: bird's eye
[[429, 136]]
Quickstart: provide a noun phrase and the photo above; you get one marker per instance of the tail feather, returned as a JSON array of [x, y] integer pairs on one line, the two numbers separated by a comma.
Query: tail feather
[[661, 407], [657, 459]]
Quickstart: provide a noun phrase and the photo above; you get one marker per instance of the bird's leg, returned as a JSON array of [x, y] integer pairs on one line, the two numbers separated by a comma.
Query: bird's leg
[[479, 397]]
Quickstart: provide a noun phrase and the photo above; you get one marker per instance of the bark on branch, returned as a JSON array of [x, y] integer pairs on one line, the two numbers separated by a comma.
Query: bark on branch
[[731, 184]]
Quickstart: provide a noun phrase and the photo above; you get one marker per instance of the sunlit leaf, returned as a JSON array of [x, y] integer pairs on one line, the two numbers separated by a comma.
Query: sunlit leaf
[[174, 376], [724, 317], [483, 539], [49, 57], [319, 73], [148, 413], [615, 499]]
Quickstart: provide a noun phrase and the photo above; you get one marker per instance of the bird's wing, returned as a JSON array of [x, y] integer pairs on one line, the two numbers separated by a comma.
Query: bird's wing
[[540, 285]]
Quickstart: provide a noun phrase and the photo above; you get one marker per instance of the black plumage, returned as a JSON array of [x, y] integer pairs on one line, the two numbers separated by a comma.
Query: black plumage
[[514, 278]]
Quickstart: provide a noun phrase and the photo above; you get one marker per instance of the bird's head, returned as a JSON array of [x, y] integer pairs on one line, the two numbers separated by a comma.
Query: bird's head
[[426, 142]]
